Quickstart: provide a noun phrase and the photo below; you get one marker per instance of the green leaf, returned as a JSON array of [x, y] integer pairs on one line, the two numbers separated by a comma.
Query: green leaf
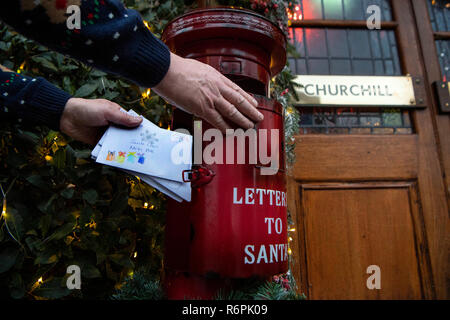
[[52, 289], [4, 46], [61, 232], [121, 260], [45, 63], [59, 158], [98, 73], [68, 193], [37, 181], [86, 90], [90, 272], [44, 224], [46, 258], [90, 196], [8, 258]]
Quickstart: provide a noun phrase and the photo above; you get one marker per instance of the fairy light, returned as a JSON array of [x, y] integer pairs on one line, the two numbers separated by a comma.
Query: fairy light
[[4, 202], [290, 239], [135, 255], [146, 94], [145, 205], [4, 208], [291, 230], [294, 15], [147, 25], [40, 280], [289, 251], [21, 67], [48, 158]]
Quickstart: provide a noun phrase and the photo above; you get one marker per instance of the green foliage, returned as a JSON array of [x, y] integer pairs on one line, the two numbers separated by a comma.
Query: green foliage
[[139, 286], [253, 289], [64, 209]]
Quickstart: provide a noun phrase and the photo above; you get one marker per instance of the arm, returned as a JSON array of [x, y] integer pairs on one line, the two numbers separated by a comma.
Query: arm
[[115, 39], [30, 99], [112, 38], [36, 100]]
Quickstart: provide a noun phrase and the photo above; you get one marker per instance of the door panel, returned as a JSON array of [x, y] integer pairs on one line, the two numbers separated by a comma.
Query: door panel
[[351, 227], [354, 157]]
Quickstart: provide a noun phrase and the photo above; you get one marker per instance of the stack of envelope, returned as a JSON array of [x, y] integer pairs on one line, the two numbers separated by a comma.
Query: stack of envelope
[[157, 156]]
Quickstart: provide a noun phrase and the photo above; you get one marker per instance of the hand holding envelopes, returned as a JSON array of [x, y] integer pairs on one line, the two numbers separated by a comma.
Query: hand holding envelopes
[[157, 156]]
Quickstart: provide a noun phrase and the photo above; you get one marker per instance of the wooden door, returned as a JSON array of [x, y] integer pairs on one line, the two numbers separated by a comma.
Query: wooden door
[[368, 186]]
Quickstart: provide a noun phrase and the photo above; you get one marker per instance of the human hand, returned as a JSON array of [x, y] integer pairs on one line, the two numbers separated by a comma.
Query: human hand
[[84, 119], [200, 89]]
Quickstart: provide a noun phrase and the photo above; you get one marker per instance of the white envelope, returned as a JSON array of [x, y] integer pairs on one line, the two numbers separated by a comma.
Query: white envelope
[[177, 190], [148, 150]]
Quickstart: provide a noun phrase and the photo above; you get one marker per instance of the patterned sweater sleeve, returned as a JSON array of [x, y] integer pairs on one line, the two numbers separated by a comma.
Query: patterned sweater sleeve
[[33, 100], [111, 37]]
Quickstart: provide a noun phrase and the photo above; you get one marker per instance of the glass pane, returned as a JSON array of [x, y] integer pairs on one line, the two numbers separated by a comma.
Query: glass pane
[[345, 51], [339, 9], [350, 52], [439, 11], [443, 49]]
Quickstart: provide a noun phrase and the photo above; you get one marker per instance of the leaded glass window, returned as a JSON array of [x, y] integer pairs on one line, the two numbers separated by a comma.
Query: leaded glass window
[[439, 12], [347, 51], [344, 52], [340, 9]]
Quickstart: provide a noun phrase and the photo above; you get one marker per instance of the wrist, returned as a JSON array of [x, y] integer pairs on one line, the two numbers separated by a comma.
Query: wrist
[[171, 75], [67, 115]]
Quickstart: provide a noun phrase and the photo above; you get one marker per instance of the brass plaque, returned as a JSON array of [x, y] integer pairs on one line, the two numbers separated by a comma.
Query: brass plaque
[[356, 91]]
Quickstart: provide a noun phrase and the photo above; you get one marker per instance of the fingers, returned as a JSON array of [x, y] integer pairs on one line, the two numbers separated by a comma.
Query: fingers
[[242, 101], [246, 95], [216, 120], [229, 111], [114, 114]]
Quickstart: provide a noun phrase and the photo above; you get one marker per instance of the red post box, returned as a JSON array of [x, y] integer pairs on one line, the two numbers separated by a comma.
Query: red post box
[[236, 224]]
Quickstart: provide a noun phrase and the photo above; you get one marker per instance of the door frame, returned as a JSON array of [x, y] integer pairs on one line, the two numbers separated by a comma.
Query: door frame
[[430, 161]]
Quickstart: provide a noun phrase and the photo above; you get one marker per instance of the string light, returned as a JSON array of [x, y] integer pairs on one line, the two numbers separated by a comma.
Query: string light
[[291, 230], [21, 67], [295, 15], [40, 280], [290, 239], [135, 255], [147, 25], [4, 202], [146, 94], [4, 208], [289, 251], [146, 205]]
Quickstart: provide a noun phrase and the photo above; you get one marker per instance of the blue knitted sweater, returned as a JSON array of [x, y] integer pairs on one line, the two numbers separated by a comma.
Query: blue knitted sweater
[[112, 38]]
